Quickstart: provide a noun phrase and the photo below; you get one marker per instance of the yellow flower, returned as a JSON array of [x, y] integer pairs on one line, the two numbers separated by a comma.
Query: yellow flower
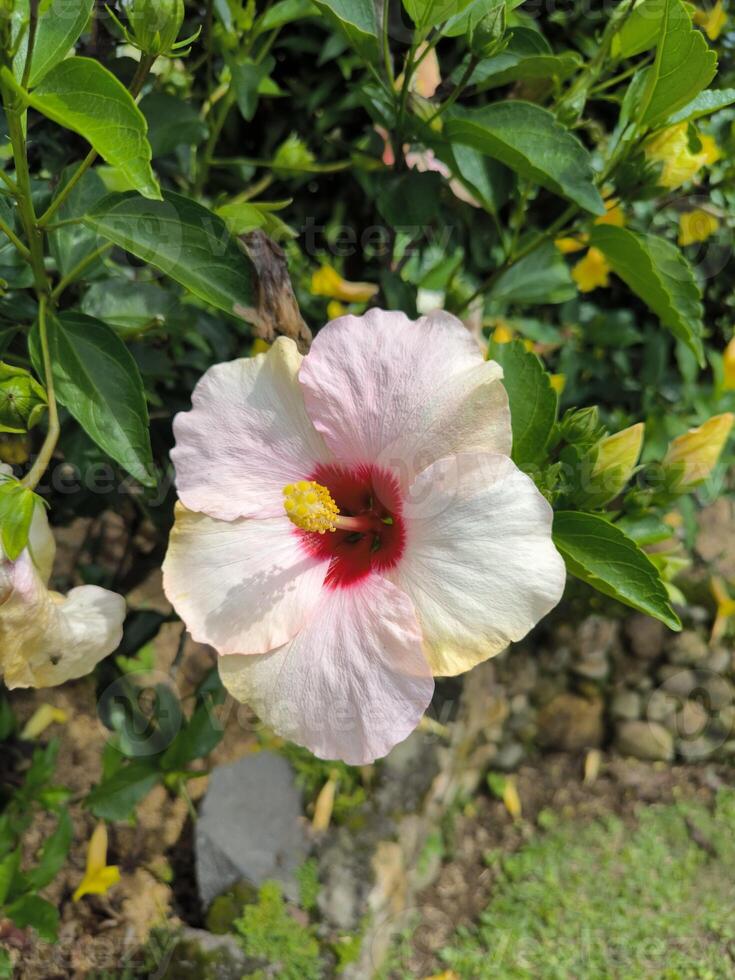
[[617, 455], [729, 362], [711, 21], [725, 608], [670, 148], [568, 245], [693, 455], [326, 281], [335, 309], [502, 334], [613, 216], [40, 720], [696, 226], [99, 877], [591, 271], [558, 382]]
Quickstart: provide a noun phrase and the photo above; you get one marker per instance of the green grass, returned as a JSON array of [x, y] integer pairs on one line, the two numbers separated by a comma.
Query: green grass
[[600, 900]]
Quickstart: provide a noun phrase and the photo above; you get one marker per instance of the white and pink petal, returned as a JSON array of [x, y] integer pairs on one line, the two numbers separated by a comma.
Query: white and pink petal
[[400, 394], [243, 586], [480, 565], [351, 685], [246, 437]]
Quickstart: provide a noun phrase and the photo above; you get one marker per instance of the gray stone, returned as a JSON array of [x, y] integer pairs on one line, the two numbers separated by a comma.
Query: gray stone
[[644, 740], [509, 757], [646, 636], [688, 649], [627, 705], [717, 693], [690, 720], [250, 827], [719, 660], [680, 683], [595, 665], [661, 706], [696, 749]]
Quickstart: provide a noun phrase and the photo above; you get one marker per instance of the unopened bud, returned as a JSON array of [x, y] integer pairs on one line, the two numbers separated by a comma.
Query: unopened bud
[[155, 24], [22, 399], [691, 457]]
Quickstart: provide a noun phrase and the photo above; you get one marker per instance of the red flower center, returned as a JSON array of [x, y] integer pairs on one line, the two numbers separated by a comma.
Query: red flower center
[[372, 495]]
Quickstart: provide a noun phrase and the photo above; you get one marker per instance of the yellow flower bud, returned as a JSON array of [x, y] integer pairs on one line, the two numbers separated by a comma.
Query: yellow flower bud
[[335, 309], [670, 148], [568, 245], [502, 334], [40, 720], [591, 271], [618, 454], [692, 456], [711, 21], [558, 382], [729, 363], [99, 877], [326, 281], [613, 216], [696, 226]]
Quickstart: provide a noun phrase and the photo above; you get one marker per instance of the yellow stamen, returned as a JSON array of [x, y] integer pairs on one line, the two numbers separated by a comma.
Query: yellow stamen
[[309, 506]]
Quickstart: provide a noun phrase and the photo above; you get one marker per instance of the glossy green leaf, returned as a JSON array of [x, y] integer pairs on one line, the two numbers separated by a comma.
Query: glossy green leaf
[[247, 77], [31, 910], [17, 505], [685, 64], [59, 28], [182, 239], [658, 273], [98, 381], [201, 735], [132, 308], [53, 854], [532, 400], [171, 123], [73, 242], [116, 797], [707, 102], [529, 140], [541, 277], [603, 556], [81, 95], [357, 21], [639, 31], [429, 13]]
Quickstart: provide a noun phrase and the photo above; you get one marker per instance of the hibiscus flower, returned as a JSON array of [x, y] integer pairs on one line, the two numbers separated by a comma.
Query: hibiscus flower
[[352, 525], [47, 639]]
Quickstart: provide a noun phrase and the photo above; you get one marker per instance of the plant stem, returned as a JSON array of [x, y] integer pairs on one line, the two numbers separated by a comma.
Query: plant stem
[[25, 202], [7, 230], [32, 29], [52, 435], [78, 269], [141, 73], [457, 90], [226, 103]]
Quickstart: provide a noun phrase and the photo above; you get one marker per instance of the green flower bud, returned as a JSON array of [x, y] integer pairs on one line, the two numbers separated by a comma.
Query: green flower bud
[[485, 34], [581, 425], [22, 399], [155, 24]]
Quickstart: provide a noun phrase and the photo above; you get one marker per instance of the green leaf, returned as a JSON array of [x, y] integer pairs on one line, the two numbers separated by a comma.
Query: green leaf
[[171, 123], [529, 140], [357, 20], [97, 379], [284, 12], [36, 912], [72, 243], [200, 736], [684, 65], [115, 798], [532, 400], [81, 95], [17, 505], [489, 180], [601, 555], [541, 277], [182, 239], [526, 56], [657, 272], [132, 308], [639, 31], [53, 854], [59, 28], [429, 13], [707, 102], [9, 867], [247, 77]]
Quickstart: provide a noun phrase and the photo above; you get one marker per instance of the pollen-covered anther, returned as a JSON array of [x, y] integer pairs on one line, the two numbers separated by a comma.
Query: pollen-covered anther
[[310, 506]]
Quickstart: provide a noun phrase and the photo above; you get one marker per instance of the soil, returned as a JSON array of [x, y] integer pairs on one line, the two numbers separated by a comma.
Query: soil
[[552, 783]]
